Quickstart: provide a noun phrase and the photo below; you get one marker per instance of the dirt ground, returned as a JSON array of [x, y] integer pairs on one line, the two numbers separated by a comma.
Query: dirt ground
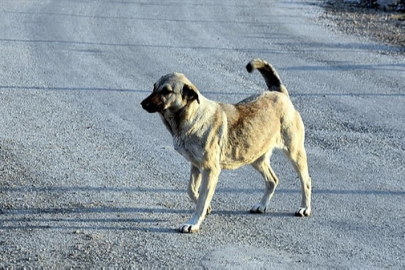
[[367, 21], [88, 180]]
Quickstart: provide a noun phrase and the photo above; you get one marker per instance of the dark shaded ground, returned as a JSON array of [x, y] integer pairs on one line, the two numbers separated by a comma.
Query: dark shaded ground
[[367, 21]]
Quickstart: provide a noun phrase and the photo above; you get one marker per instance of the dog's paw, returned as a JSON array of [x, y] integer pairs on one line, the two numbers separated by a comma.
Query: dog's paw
[[258, 209], [189, 228], [303, 212]]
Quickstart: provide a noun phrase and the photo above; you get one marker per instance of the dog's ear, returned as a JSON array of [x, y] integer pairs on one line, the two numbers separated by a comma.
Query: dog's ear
[[190, 92]]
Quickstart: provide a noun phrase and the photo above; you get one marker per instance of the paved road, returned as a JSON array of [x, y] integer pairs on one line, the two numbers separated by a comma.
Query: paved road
[[88, 179]]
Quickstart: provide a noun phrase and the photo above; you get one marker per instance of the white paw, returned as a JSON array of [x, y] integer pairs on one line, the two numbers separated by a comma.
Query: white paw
[[189, 228], [303, 212], [258, 209]]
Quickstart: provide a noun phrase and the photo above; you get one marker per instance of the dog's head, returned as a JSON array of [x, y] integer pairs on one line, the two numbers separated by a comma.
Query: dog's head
[[171, 92]]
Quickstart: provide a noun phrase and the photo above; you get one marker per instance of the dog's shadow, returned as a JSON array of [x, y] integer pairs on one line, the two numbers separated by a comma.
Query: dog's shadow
[[103, 218], [87, 219]]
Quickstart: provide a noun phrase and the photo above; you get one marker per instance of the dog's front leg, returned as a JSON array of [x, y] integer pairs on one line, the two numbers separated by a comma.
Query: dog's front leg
[[209, 180], [194, 185]]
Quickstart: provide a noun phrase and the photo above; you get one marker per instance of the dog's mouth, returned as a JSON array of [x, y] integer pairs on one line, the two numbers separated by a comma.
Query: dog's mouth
[[151, 107], [148, 106]]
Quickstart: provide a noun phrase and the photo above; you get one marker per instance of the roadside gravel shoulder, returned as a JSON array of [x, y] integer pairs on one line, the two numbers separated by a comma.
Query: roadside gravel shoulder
[[358, 19]]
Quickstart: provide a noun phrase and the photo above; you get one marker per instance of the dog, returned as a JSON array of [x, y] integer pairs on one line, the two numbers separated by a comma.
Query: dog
[[213, 136]]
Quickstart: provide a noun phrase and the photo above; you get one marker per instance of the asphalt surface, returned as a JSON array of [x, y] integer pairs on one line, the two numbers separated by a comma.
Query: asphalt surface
[[89, 180]]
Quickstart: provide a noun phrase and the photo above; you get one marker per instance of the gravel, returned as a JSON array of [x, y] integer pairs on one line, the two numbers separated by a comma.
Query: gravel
[[89, 180], [371, 22]]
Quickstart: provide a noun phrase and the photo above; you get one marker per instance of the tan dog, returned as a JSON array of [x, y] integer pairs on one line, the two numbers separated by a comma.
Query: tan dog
[[215, 136]]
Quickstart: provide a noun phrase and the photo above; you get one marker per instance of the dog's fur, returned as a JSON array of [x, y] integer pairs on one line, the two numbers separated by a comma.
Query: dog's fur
[[215, 136]]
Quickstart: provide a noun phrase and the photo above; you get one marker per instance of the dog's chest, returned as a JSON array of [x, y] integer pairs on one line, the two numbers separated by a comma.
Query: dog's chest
[[188, 150]]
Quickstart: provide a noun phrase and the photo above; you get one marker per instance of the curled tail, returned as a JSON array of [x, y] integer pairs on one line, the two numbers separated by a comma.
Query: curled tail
[[269, 74]]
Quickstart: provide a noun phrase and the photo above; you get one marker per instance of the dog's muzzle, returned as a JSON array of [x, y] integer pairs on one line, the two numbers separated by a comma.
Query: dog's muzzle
[[149, 104]]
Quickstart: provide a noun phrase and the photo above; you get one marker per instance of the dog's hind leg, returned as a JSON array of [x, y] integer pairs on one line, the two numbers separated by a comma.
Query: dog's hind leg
[[263, 166], [298, 158], [194, 185]]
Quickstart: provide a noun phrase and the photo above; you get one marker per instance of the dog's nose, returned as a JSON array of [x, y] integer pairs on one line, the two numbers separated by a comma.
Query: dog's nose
[[148, 106], [144, 104]]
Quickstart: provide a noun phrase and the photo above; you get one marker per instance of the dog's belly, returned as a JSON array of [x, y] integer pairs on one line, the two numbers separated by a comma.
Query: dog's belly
[[246, 151], [236, 160]]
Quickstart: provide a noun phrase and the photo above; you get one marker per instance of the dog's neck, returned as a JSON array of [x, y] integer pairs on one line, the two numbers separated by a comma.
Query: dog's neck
[[184, 120], [173, 121]]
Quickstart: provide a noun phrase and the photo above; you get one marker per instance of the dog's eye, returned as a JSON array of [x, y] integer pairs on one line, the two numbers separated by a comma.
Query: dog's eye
[[165, 91]]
